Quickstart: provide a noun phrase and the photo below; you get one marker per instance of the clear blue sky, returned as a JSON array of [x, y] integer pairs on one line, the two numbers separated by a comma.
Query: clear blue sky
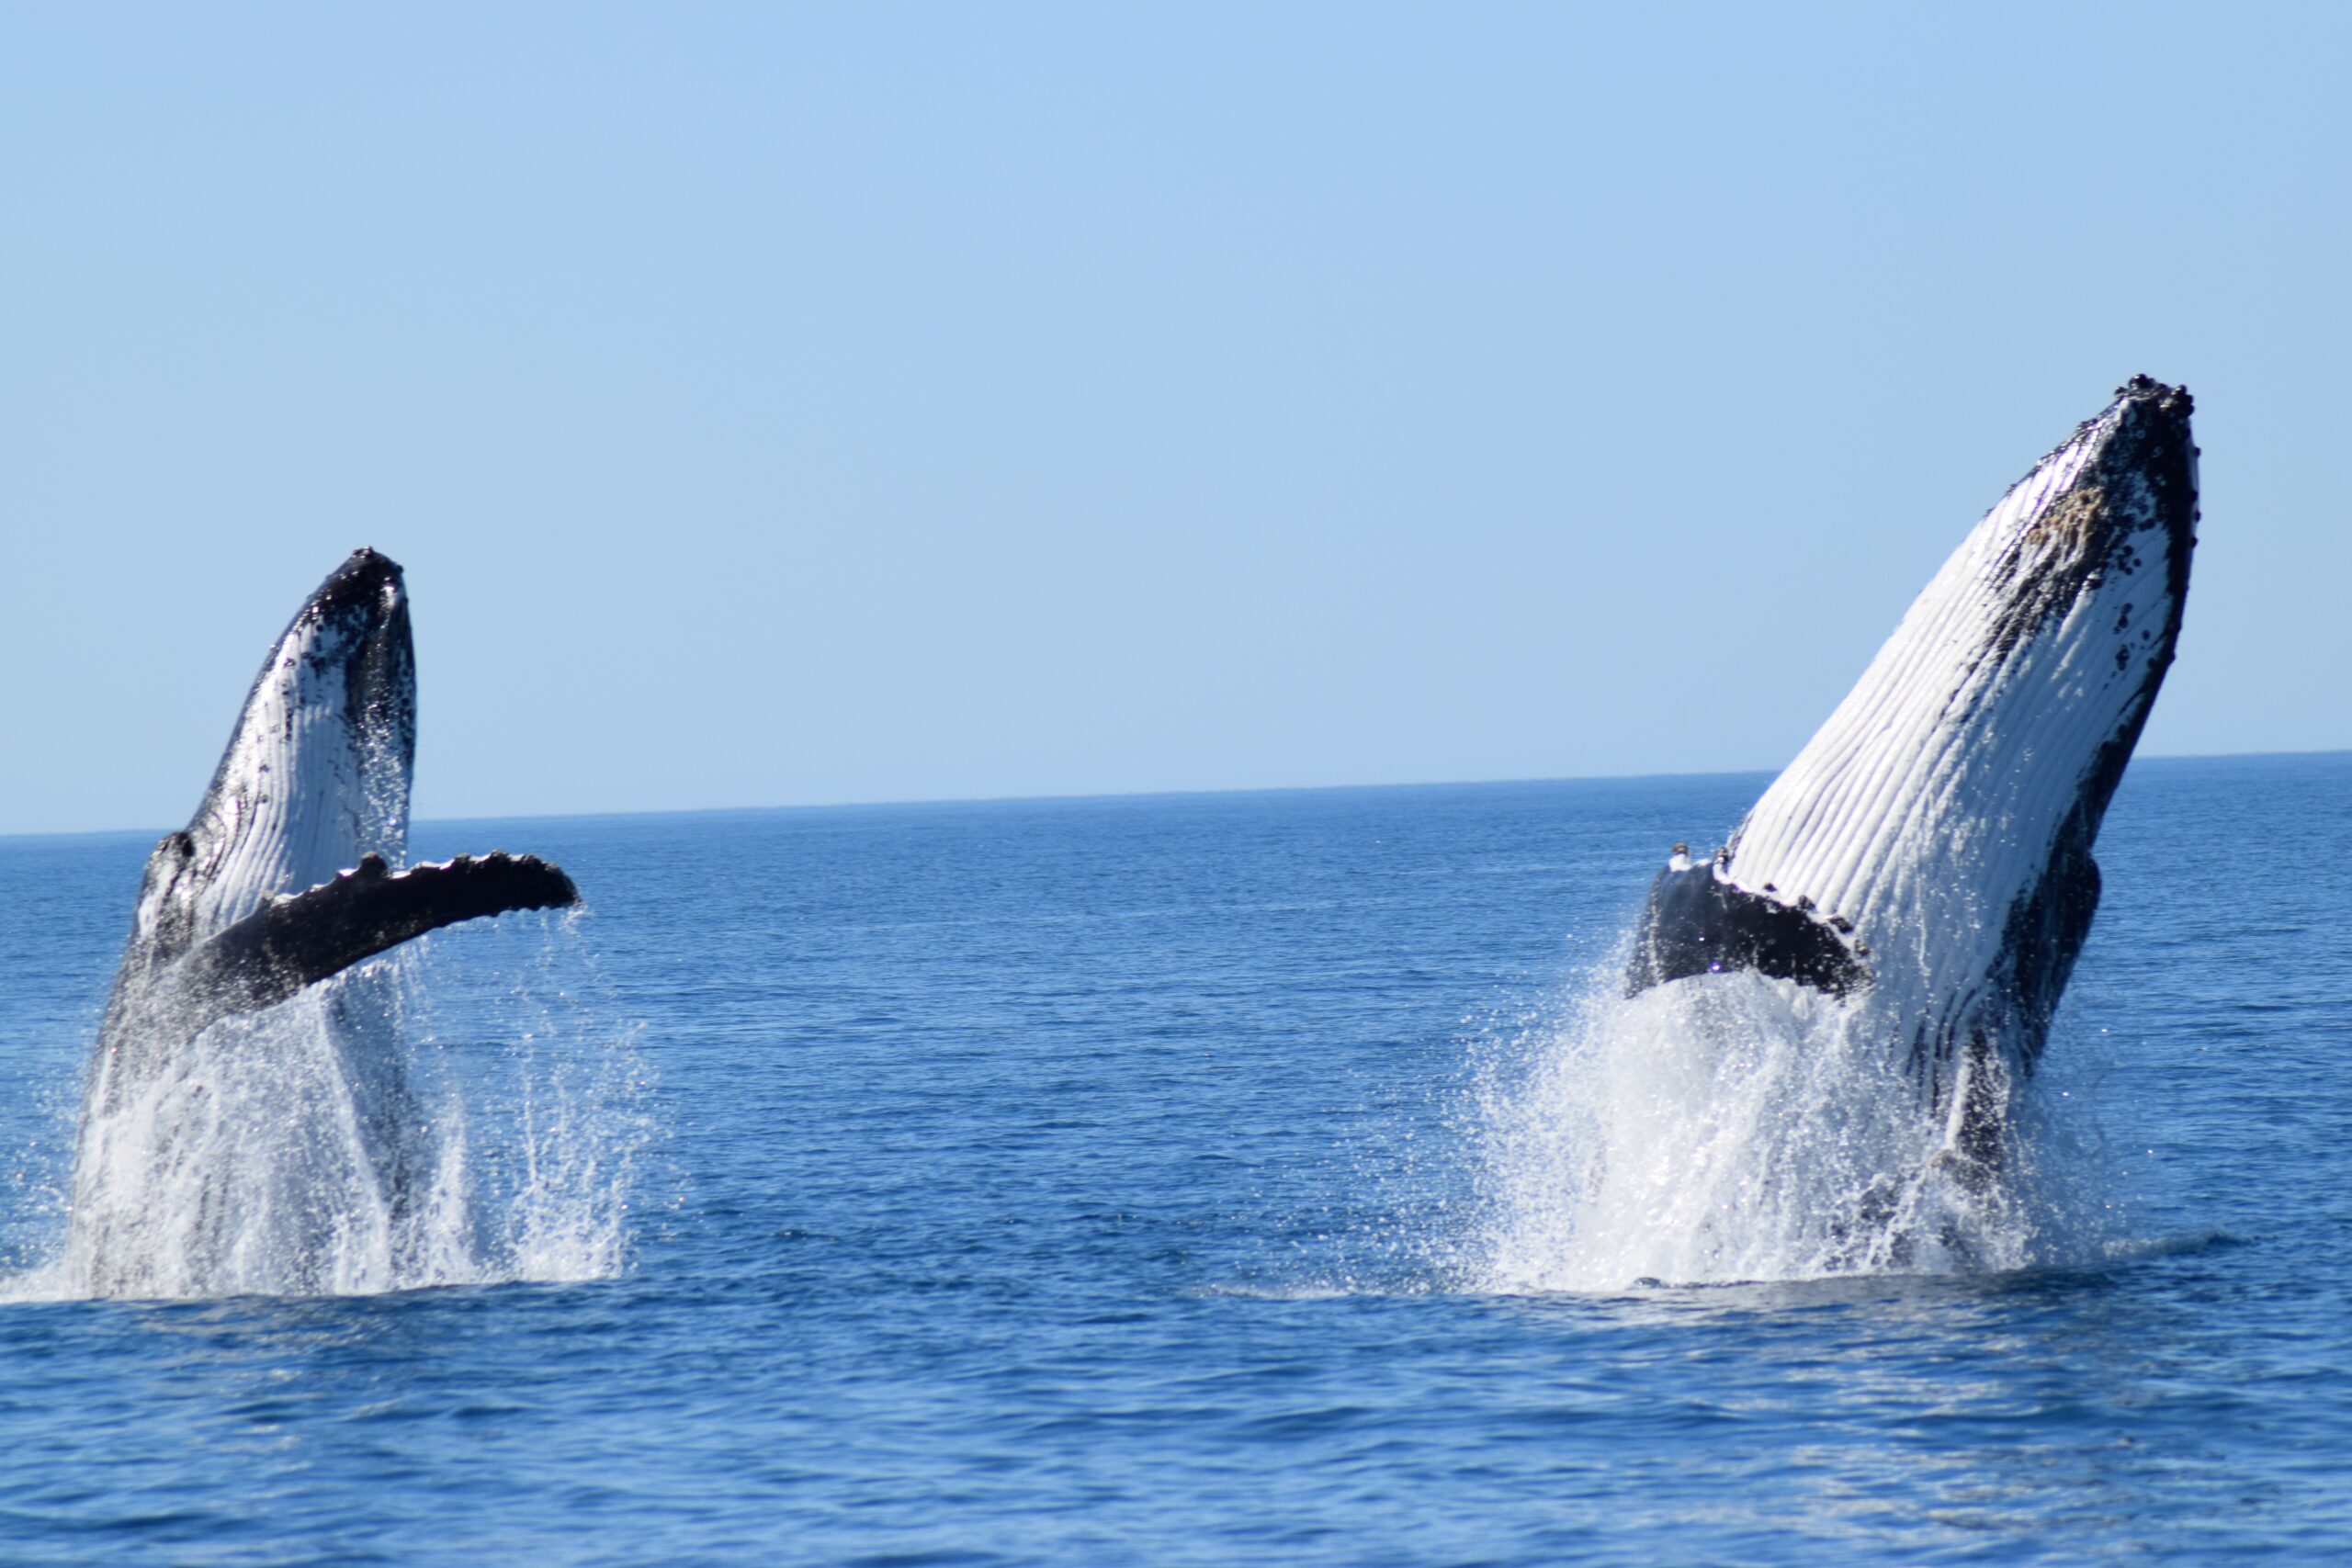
[[784, 404]]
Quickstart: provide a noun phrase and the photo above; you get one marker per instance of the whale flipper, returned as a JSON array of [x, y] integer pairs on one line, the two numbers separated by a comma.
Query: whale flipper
[[1699, 922], [297, 940]]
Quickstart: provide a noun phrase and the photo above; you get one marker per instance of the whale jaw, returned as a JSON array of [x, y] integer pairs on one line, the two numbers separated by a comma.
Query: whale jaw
[[1938, 829]]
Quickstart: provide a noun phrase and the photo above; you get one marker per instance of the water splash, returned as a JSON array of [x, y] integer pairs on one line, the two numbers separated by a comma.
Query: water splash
[[427, 1119], [1734, 1127]]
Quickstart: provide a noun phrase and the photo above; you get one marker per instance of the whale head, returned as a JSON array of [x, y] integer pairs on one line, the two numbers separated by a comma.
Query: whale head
[[316, 774], [1938, 827]]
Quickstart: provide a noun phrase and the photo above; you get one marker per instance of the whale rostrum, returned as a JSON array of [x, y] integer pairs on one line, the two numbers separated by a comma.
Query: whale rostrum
[[284, 877], [1928, 854]]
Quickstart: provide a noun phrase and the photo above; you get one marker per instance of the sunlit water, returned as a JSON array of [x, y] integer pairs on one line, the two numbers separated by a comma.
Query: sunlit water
[[1251, 1178]]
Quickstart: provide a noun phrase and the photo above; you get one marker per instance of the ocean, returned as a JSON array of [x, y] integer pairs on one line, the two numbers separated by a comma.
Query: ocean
[[1251, 1178]]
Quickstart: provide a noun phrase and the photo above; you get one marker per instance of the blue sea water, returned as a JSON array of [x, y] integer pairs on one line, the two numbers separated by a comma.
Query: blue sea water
[[1108, 1181]]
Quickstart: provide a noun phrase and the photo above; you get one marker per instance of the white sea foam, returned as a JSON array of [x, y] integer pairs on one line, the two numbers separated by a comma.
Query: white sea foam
[[1734, 1127], [366, 1136]]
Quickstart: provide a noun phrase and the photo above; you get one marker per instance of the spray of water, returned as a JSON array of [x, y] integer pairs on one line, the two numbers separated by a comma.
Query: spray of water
[[408, 1124], [1734, 1127]]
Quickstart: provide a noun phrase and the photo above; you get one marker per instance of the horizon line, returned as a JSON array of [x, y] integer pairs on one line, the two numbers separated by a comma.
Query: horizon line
[[1107, 794]]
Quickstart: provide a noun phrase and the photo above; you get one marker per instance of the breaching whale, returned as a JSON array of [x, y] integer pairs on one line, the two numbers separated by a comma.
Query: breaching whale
[[1928, 854], [284, 877]]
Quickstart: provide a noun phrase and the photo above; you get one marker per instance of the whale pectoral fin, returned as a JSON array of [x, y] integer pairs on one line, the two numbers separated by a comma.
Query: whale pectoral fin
[[1698, 922], [298, 940]]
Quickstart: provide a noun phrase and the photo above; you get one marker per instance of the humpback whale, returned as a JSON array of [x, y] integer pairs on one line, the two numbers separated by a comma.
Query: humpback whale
[[1928, 854], [287, 876]]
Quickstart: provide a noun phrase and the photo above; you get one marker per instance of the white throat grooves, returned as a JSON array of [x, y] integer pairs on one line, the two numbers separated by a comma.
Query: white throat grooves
[[1933, 794]]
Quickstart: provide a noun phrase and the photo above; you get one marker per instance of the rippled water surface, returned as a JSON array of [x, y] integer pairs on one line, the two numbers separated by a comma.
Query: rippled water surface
[[1148, 1181]]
